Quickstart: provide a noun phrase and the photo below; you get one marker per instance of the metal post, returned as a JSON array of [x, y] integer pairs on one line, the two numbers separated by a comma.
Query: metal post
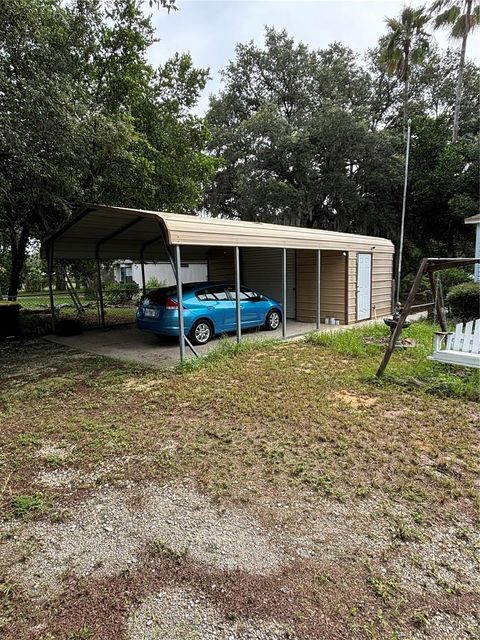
[[181, 326], [284, 293], [100, 291], [317, 317], [237, 294], [402, 225], [50, 284], [142, 265]]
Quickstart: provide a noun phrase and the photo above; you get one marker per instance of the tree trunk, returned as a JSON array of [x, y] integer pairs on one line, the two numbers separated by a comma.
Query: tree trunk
[[458, 95], [18, 245]]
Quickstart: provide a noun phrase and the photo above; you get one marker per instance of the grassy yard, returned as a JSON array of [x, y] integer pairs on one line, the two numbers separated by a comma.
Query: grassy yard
[[277, 490]]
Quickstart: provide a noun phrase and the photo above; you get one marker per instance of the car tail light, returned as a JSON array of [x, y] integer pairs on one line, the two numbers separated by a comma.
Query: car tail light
[[171, 304]]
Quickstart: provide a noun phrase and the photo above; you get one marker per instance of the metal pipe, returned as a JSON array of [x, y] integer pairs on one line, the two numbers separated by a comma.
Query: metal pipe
[[174, 269], [181, 326], [142, 266], [318, 289], [402, 224], [50, 283], [100, 291], [237, 294], [284, 293]]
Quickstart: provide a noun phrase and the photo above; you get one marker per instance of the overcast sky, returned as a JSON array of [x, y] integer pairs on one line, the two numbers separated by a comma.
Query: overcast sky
[[210, 29]]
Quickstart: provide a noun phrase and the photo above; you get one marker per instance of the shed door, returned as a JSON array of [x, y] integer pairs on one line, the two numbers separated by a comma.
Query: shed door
[[262, 270], [364, 286]]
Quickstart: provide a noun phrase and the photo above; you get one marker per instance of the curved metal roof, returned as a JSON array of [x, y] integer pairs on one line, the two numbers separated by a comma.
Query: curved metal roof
[[118, 232]]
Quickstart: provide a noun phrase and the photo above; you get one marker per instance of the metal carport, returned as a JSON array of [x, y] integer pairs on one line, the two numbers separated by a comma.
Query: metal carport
[[105, 232]]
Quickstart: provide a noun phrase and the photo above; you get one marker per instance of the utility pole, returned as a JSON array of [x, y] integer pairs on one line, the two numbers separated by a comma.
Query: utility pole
[[402, 225]]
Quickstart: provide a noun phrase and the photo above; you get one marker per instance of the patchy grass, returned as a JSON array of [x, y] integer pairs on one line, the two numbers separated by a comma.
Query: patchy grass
[[225, 348], [408, 367], [372, 484]]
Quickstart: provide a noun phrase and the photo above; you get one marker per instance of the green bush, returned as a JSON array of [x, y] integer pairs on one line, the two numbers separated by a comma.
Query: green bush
[[119, 292], [154, 283], [34, 324], [451, 277], [464, 301]]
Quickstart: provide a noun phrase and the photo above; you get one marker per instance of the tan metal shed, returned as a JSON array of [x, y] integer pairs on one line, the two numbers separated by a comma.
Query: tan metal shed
[[328, 265]]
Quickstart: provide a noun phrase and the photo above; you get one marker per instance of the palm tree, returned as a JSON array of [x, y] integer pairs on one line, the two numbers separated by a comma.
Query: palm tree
[[406, 43], [461, 17]]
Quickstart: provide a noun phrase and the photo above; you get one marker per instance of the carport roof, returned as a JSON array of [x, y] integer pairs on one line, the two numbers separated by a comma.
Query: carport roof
[[119, 233]]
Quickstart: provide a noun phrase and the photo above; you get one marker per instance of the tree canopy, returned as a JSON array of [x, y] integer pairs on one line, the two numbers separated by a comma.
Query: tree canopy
[[314, 137], [84, 117]]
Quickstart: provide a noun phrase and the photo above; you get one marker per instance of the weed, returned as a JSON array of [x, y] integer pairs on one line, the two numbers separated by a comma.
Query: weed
[[162, 549], [7, 590], [28, 439], [402, 531], [82, 634], [54, 460], [226, 348], [23, 506], [420, 619], [386, 588]]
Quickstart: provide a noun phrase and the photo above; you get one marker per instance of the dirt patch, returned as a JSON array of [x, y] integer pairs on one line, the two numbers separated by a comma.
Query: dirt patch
[[50, 450], [180, 614], [354, 400], [107, 533]]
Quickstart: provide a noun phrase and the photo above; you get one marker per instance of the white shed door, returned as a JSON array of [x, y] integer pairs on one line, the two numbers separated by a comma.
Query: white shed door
[[364, 285], [262, 270]]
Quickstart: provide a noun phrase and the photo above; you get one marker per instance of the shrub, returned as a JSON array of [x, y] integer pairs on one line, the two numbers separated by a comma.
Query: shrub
[[451, 277], [154, 283], [464, 301], [119, 292], [34, 324]]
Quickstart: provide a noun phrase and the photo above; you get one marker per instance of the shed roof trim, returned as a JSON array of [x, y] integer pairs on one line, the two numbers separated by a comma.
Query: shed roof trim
[[93, 225]]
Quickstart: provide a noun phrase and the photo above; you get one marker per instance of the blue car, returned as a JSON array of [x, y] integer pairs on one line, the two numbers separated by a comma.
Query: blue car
[[209, 309]]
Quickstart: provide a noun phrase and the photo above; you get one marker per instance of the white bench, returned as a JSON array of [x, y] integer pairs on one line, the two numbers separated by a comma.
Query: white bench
[[460, 347]]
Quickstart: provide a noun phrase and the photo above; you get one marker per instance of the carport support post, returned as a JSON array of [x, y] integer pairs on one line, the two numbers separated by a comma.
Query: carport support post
[[50, 284], [181, 325], [237, 294], [100, 291], [317, 318], [142, 265], [284, 293]]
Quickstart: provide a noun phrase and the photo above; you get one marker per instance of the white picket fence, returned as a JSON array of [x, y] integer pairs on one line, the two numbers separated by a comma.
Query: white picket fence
[[461, 347]]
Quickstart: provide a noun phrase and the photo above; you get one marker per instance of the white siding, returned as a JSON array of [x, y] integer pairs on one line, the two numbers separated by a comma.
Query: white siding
[[193, 272]]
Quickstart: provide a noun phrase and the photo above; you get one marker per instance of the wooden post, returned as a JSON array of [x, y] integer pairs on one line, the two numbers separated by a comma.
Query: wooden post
[[438, 300], [401, 321]]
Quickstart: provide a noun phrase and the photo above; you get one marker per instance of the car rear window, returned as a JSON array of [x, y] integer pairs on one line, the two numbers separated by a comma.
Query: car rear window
[[159, 296]]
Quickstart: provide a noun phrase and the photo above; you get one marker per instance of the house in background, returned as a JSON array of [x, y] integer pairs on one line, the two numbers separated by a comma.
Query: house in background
[[128, 271], [476, 221]]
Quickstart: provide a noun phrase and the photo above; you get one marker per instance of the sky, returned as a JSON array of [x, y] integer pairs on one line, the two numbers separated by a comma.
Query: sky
[[210, 29]]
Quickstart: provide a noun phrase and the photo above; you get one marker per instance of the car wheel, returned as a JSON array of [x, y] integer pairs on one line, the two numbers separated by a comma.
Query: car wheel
[[273, 319], [201, 332]]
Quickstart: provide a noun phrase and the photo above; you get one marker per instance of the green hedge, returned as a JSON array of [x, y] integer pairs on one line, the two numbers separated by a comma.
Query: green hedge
[[120, 293], [463, 301]]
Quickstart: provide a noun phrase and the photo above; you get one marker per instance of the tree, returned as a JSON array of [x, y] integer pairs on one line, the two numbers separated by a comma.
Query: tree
[[291, 129], [405, 44], [84, 117], [461, 17]]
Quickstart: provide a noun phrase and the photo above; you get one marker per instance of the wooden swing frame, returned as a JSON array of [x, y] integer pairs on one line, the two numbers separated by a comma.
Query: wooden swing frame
[[428, 267]]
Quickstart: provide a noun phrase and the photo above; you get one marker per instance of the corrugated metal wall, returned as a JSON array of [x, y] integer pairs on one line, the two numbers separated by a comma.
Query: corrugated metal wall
[[262, 270], [332, 285]]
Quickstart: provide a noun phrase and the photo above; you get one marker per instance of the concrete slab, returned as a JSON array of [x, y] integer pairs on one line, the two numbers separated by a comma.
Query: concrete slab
[[128, 343]]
